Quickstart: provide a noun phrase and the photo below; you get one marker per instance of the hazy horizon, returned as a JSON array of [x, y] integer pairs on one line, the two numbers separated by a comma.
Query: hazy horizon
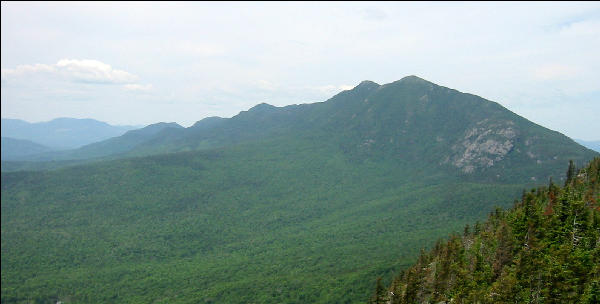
[[143, 63]]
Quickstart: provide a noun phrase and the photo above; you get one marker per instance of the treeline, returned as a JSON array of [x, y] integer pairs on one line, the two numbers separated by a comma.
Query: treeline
[[544, 250]]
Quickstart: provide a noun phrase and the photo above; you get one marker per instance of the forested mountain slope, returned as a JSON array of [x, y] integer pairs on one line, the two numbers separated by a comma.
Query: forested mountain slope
[[544, 250], [274, 205]]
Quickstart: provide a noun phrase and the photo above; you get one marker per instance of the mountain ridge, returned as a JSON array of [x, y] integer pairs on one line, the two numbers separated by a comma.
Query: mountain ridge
[[62, 133], [481, 134]]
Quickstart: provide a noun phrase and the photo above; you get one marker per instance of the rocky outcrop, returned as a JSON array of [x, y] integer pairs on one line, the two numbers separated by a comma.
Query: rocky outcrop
[[483, 145]]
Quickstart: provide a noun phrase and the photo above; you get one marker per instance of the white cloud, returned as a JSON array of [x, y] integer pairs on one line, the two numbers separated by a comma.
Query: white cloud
[[582, 28], [86, 70], [25, 69], [265, 85], [331, 89], [197, 49], [555, 72], [303, 53], [373, 13], [93, 71], [137, 87]]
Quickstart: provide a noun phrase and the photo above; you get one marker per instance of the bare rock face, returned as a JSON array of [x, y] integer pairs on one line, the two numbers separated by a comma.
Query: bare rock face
[[483, 145]]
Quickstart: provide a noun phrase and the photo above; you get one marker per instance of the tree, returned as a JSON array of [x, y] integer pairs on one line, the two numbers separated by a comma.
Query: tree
[[380, 293], [570, 172]]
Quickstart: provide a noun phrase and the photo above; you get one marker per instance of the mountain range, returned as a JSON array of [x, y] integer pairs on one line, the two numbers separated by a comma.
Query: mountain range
[[411, 117], [295, 204], [62, 133]]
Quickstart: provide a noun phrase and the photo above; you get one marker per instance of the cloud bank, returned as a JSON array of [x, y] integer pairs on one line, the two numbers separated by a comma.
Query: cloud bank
[[75, 70]]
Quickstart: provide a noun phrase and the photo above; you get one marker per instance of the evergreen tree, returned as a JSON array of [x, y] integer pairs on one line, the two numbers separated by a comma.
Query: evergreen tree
[[570, 172], [545, 250], [380, 296]]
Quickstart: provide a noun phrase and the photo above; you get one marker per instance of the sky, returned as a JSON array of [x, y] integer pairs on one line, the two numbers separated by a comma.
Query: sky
[[142, 63]]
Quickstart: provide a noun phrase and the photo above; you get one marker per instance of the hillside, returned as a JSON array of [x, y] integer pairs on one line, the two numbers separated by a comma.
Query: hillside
[[274, 205], [62, 133], [15, 148], [546, 249]]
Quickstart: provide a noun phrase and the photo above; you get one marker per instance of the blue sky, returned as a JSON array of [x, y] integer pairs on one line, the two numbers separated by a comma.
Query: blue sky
[[141, 63]]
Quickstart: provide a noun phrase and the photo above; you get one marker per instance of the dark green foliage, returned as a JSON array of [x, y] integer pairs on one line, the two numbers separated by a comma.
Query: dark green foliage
[[245, 224], [380, 295], [570, 172], [545, 250], [278, 205]]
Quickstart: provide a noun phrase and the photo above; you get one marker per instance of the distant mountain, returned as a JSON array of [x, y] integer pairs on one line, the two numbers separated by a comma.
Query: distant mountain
[[118, 145], [594, 144], [411, 119], [62, 133], [298, 204], [115, 147], [16, 148]]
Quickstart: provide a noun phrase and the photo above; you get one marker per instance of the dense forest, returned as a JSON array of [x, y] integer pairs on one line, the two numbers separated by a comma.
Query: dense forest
[[274, 205], [225, 226], [544, 250]]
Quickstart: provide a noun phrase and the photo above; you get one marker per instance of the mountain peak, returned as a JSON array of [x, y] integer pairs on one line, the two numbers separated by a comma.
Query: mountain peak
[[164, 125], [366, 84], [413, 79], [155, 128], [262, 107]]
